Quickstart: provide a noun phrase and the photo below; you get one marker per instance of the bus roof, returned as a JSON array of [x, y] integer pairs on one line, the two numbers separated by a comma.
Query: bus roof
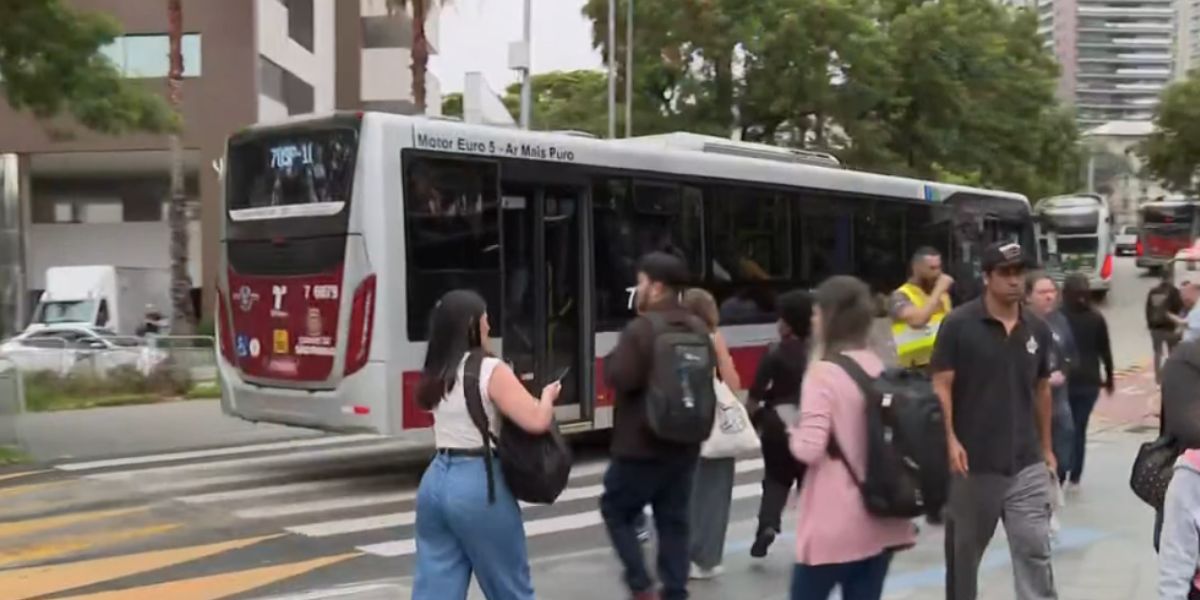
[[1070, 201], [679, 153]]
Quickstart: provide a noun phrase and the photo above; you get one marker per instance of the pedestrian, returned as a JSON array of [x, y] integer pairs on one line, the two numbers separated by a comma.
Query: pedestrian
[[1043, 300], [918, 307], [839, 543], [1180, 405], [1179, 554], [1164, 309], [644, 468], [1189, 291], [712, 489], [991, 372], [458, 531], [776, 384], [1090, 330]]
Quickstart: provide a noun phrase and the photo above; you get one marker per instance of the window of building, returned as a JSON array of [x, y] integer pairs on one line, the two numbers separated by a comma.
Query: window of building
[[453, 234], [279, 84], [383, 32], [148, 56], [300, 22]]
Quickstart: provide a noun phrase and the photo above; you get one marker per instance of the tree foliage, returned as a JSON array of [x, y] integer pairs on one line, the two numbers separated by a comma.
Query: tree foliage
[[50, 65], [562, 100], [1172, 152], [954, 89]]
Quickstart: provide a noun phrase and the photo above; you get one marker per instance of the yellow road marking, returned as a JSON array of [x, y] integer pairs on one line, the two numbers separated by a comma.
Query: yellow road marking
[[54, 549], [17, 490], [21, 584], [17, 528], [21, 474], [214, 587]]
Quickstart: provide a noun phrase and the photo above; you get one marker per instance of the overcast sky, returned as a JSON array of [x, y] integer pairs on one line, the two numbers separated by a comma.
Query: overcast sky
[[475, 35]]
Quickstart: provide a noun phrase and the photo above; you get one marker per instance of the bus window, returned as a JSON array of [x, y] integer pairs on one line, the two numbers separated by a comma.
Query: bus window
[[751, 252], [879, 246], [453, 235], [658, 217], [826, 245]]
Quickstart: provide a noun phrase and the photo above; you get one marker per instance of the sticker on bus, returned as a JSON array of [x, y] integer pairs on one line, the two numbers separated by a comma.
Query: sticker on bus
[[281, 341]]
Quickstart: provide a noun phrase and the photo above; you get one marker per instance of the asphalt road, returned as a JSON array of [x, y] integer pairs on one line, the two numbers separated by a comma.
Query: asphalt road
[[332, 517]]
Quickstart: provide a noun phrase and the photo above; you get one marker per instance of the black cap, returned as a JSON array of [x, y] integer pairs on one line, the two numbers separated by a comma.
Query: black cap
[[1003, 254]]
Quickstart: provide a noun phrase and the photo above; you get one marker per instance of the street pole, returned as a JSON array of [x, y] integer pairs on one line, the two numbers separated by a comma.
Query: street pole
[[612, 69], [629, 73], [527, 83]]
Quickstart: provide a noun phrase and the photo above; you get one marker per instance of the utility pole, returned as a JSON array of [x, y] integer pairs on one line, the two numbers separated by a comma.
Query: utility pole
[[612, 69], [629, 73], [527, 81]]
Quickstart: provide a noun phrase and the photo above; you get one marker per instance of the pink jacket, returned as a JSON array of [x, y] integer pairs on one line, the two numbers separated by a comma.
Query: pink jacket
[[833, 525]]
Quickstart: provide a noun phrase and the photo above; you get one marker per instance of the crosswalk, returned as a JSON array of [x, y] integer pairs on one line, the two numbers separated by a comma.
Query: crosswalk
[[358, 492]]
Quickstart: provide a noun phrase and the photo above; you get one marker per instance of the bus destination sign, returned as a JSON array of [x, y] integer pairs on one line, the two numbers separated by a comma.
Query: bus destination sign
[[491, 147]]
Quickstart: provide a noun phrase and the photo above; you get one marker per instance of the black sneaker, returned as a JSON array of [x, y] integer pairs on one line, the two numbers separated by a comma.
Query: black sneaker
[[762, 543]]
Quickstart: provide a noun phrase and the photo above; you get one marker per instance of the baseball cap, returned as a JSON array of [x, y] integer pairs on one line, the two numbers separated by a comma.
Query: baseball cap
[[1002, 254]]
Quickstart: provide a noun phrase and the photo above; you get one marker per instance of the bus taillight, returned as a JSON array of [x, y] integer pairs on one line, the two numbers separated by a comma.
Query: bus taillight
[[1139, 248], [223, 329], [362, 316], [1107, 270]]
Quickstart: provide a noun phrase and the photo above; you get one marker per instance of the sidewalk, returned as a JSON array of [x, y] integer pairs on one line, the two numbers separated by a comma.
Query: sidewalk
[[143, 429]]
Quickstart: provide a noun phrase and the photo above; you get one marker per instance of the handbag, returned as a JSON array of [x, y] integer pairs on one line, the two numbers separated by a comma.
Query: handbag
[[1153, 468], [732, 432]]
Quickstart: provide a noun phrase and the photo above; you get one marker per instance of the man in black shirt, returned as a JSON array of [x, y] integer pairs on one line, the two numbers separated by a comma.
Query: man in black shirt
[[645, 469], [991, 371], [1164, 318]]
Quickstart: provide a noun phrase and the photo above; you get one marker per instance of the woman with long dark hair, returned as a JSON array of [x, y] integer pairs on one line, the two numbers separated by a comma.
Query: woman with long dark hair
[[838, 542], [459, 532], [1090, 331]]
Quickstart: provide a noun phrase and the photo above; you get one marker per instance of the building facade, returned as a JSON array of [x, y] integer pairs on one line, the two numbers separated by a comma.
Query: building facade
[[1116, 56], [74, 197], [1187, 37]]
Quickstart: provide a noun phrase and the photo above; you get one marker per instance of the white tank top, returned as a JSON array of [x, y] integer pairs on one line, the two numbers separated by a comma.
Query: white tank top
[[452, 424]]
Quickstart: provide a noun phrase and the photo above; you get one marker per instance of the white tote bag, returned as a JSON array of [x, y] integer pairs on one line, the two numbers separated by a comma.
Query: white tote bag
[[732, 434]]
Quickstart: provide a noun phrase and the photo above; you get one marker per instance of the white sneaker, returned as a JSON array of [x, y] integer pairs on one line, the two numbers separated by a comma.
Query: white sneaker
[[698, 572]]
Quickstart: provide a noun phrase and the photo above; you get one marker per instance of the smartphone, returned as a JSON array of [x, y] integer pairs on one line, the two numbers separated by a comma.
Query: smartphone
[[562, 374]]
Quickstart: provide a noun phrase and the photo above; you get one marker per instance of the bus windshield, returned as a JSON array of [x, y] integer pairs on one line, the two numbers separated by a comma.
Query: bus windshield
[[1178, 217]]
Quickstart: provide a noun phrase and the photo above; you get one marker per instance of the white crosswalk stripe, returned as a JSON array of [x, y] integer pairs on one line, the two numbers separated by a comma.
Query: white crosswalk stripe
[[344, 489]]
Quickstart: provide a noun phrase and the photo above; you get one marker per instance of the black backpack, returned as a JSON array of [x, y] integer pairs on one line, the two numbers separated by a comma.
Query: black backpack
[[536, 466], [908, 468], [681, 402]]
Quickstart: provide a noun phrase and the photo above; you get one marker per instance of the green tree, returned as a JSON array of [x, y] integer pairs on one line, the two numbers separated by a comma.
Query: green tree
[[562, 100], [183, 321], [452, 105], [1172, 152], [50, 65]]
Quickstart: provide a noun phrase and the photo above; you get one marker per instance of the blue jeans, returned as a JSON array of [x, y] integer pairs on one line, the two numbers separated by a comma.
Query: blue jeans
[[1062, 427], [859, 580], [1083, 400], [666, 485], [459, 533]]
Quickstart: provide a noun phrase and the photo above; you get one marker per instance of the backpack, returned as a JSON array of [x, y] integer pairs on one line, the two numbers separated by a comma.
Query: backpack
[[908, 468], [680, 400], [536, 466]]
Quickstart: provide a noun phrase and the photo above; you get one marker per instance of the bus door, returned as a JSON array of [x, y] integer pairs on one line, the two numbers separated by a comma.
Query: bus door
[[547, 317]]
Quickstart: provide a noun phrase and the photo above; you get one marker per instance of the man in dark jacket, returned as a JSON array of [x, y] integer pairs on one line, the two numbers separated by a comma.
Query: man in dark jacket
[[647, 470], [1164, 308]]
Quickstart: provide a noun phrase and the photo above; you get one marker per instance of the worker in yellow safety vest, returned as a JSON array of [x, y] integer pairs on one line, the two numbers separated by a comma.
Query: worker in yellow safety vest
[[918, 307]]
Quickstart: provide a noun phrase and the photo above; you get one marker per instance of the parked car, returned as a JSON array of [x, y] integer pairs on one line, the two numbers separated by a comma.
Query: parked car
[[66, 348], [1126, 241]]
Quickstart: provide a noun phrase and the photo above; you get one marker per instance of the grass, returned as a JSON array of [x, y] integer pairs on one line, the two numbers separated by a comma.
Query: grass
[[12, 456], [48, 392]]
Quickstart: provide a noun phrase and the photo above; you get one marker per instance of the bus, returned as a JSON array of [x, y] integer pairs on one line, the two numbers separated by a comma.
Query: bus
[[1166, 226], [341, 232], [1074, 235]]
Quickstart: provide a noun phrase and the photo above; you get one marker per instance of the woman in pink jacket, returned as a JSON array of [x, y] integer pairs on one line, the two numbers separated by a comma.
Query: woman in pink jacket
[[839, 543]]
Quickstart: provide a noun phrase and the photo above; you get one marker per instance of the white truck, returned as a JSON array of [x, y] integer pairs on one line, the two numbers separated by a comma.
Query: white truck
[[103, 296]]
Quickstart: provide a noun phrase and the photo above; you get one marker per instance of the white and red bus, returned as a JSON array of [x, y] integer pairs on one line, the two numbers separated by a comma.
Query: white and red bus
[[341, 233], [1166, 226]]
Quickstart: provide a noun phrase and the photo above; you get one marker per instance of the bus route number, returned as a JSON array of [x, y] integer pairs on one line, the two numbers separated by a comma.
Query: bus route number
[[283, 157]]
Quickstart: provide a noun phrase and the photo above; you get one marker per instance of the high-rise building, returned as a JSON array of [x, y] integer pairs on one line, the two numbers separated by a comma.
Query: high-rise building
[[1187, 37], [74, 197], [1116, 55]]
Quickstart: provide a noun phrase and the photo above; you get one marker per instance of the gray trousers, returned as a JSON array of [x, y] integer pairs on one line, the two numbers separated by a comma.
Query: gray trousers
[[977, 503], [712, 493]]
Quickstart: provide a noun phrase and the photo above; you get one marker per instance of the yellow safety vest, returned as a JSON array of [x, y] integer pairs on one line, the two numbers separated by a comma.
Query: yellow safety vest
[[914, 346]]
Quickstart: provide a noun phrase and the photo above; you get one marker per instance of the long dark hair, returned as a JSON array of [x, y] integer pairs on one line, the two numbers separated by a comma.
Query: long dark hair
[[1076, 295], [846, 313], [453, 332]]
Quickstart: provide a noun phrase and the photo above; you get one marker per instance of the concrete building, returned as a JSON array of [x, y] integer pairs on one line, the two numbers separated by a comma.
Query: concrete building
[[1116, 55], [1116, 167], [1187, 37], [71, 197]]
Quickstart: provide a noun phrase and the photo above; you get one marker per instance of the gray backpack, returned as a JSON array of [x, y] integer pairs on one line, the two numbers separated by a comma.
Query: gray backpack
[[680, 400]]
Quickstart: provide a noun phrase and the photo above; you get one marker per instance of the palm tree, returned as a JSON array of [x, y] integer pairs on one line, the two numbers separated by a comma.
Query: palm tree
[[183, 321], [420, 44]]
